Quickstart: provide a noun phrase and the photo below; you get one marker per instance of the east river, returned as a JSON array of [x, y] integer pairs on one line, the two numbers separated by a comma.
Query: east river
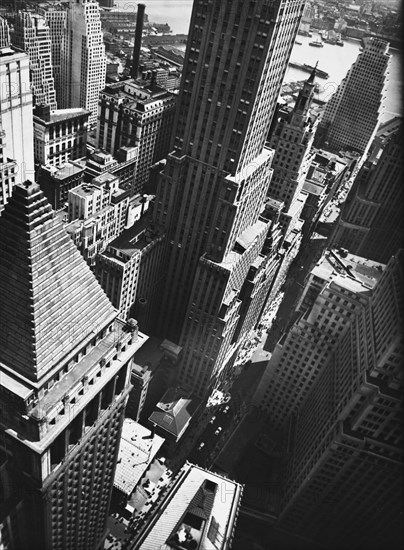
[[333, 59]]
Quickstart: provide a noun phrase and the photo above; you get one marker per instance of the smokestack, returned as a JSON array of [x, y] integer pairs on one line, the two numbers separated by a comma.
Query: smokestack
[[138, 40]]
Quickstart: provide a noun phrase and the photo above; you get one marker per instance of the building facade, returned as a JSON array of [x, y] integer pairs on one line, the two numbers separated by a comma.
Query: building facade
[[65, 369], [16, 110], [99, 211], [292, 140], [127, 269], [218, 260], [84, 62], [370, 223], [31, 34], [55, 17], [59, 135], [57, 182], [343, 482], [352, 115], [8, 169], [336, 289], [134, 115]]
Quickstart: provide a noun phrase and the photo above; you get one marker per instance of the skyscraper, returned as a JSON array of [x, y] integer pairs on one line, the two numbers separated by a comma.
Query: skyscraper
[[32, 35], [16, 109], [336, 288], [344, 483], [352, 114], [65, 362], [211, 194], [371, 221], [55, 16], [292, 140], [84, 63], [4, 34]]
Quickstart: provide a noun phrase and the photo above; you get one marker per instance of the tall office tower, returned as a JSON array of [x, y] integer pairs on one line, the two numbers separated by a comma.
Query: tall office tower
[[371, 221], [16, 108], [336, 288], [8, 168], [65, 363], [344, 479], [292, 140], [352, 115], [211, 194], [84, 64], [4, 34], [55, 16], [134, 115], [32, 35]]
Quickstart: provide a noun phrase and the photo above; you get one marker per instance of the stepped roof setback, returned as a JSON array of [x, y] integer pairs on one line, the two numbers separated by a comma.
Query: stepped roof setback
[[50, 301]]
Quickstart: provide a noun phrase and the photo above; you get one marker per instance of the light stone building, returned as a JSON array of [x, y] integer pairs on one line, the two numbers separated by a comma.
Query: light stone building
[[31, 34], [352, 115], [16, 110], [65, 363], [84, 63]]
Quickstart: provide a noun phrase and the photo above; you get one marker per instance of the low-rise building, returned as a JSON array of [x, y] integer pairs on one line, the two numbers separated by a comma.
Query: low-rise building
[[98, 212], [56, 182], [123, 166], [128, 267], [134, 115], [173, 413], [59, 135], [199, 510], [137, 449]]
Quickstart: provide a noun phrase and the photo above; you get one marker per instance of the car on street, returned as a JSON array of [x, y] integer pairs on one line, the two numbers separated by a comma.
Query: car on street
[[201, 446], [217, 432], [212, 419]]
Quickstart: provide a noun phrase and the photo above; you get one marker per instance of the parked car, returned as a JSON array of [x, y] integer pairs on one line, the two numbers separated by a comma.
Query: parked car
[[217, 432]]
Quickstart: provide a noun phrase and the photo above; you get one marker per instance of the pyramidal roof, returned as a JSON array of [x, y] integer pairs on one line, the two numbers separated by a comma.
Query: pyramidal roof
[[50, 301]]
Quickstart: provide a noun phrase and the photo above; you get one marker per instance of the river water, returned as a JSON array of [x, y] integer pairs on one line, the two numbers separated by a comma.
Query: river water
[[333, 59]]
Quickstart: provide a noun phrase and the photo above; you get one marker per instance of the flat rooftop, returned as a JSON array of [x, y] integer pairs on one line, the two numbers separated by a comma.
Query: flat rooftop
[[137, 449], [221, 503], [348, 270], [64, 170]]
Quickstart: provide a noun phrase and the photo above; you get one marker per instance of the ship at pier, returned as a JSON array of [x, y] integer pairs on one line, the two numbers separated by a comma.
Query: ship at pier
[[308, 69]]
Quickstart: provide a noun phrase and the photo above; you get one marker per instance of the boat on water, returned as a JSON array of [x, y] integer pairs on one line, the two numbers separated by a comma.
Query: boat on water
[[305, 33], [308, 69], [316, 44], [319, 72]]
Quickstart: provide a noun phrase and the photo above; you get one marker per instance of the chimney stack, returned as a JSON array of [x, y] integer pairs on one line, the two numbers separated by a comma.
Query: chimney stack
[[138, 40]]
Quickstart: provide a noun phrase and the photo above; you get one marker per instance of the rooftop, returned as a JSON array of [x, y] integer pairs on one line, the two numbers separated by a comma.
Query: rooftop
[[50, 299], [60, 115], [63, 171], [131, 241], [201, 506], [137, 449], [349, 271], [174, 412]]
